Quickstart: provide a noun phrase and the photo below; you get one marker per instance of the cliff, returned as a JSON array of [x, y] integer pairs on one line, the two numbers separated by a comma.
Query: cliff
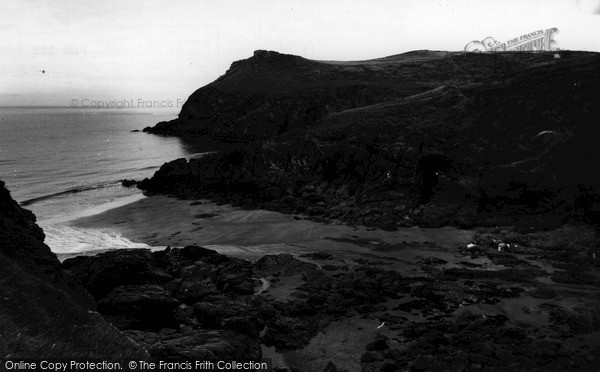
[[271, 93], [441, 138], [43, 313]]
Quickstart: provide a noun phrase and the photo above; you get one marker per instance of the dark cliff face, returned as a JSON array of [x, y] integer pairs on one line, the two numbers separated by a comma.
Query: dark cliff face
[[43, 312], [500, 138], [22, 239], [30, 267], [271, 93], [22, 242]]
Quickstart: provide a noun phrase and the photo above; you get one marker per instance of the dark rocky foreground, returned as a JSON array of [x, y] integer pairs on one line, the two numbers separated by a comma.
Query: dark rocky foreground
[[422, 138], [488, 310], [532, 305]]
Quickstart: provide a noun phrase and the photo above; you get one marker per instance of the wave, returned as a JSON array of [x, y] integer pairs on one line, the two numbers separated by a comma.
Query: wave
[[74, 190], [69, 239], [199, 154]]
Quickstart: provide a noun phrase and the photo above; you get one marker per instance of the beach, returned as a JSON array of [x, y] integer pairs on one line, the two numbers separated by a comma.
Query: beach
[[161, 221]]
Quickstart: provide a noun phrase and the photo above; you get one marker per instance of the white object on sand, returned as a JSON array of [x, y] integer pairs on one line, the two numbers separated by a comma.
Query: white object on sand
[[503, 246]]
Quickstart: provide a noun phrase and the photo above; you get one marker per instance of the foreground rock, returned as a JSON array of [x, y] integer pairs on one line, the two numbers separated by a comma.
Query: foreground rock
[[157, 298], [43, 310], [200, 345], [479, 309], [129, 307]]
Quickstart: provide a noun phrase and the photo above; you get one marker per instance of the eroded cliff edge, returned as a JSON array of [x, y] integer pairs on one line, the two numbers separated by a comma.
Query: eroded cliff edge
[[437, 139], [43, 311]]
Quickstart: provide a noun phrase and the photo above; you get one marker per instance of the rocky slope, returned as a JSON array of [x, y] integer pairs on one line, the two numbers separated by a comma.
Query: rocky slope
[[174, 284], [531, 307], [272, 93], [437, 138], [43, 312]]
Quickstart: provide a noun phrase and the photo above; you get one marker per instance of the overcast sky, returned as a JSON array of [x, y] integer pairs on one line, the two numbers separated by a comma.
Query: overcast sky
[[122, 50]]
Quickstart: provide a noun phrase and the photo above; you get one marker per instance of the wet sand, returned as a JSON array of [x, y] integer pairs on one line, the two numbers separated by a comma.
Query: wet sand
[[162, 221]]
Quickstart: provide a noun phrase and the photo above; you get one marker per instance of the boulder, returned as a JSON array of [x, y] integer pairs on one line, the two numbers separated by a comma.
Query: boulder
[[380, 344], [192, 290], [211, 312], [196, 253], [100, 274], [248, 325], [147, 306], [283, 264], [201, 345], [330, 367]]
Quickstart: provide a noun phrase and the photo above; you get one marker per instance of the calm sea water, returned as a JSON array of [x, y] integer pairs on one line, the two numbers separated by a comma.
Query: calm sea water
[[60, 162]]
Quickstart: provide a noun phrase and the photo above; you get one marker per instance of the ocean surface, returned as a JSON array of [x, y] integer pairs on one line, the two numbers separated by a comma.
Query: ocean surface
[[62, 163]]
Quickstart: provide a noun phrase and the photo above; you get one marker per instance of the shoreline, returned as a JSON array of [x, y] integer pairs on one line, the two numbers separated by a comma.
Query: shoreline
[[161, 221], [98, 209], [67, 241]]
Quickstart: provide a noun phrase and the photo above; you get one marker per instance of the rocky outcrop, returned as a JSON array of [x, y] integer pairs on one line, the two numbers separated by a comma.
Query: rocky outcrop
[[271, 93], [284, 265], [201, 345], [145, 306], [456, 314], [101, 274], [480, 151], [179, 303], [22, 239], [43, 309], [213, 297]]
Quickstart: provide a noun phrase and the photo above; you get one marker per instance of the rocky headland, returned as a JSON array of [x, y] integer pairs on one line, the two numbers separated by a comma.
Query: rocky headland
[[422, 138]]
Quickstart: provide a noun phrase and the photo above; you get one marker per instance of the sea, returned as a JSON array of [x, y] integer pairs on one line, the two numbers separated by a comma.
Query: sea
[[63, 163]]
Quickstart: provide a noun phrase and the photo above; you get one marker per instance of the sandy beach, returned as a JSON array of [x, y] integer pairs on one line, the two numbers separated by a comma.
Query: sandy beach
[[161, 221]]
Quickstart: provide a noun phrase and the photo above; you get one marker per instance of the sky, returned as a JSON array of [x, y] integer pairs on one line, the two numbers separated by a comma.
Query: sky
[[54, 52]]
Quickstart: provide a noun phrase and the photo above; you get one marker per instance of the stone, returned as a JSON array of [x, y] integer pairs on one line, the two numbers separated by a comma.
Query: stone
[[100, 274], [330, 367], [283, 264], [248, 325], [204, 345], [377, 345], [421, 363], [146, 306]]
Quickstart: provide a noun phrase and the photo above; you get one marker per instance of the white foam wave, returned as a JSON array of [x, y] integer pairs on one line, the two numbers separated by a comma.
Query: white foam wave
[[90, 211], [69, 239]]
